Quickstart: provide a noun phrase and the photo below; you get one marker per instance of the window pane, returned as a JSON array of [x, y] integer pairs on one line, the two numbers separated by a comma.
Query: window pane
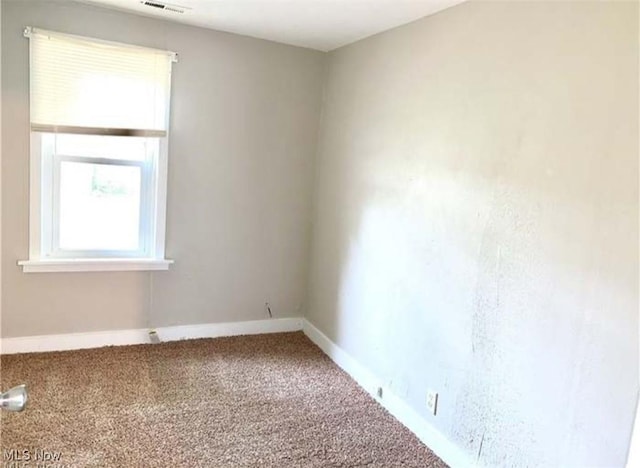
[[99, 146], [99, 206]]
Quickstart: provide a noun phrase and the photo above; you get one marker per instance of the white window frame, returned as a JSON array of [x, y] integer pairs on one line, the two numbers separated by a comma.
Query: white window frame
[[52, 190], [43, 255]]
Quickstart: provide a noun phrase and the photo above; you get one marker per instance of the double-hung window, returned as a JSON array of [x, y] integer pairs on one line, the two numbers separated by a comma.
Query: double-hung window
[[99, 129]]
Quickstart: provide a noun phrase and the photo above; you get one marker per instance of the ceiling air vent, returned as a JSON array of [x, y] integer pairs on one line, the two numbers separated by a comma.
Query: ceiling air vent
[[164, 6]]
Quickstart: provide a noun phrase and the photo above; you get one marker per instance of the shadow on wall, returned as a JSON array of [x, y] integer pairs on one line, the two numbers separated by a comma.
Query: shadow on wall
[[477, 222], [487, 287]]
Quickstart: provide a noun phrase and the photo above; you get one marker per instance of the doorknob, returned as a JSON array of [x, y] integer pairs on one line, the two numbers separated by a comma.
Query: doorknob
[[14, 399]]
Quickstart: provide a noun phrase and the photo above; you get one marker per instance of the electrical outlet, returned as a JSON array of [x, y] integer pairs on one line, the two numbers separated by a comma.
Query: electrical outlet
[[379, 392], [432, 401]]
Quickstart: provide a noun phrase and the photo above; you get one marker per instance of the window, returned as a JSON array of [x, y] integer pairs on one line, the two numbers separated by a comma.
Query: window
[[99, 129]]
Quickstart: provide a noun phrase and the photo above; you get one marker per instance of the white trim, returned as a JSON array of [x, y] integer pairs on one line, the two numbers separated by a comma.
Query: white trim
[[633, 458], [430, 436], [43, 343], [213, 330], [159, 211], [44, 212], [35, 194], [93, 264], [449, 452]]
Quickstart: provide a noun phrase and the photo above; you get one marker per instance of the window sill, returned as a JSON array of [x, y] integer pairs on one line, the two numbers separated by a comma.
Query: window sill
[[93, 264]]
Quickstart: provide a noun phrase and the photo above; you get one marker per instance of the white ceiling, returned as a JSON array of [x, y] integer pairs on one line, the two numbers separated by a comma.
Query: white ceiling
[[317, 24]]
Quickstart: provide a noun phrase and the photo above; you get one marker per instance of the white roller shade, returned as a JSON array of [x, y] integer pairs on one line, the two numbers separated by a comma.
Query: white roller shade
[[85, 85]]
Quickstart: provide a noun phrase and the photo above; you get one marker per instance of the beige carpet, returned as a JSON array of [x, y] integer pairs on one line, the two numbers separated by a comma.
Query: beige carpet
[[270, 400]]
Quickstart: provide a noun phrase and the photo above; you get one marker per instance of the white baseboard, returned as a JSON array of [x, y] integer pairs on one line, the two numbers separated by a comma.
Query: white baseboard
[[42, 343], [430, 436], [450, 453]]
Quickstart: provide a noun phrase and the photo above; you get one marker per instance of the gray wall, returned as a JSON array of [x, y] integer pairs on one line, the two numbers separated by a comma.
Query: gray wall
[[476, 224], [243, 136], [475, 220]]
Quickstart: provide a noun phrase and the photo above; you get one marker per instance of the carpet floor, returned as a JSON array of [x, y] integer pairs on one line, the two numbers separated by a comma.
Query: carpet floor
[[268, 400]]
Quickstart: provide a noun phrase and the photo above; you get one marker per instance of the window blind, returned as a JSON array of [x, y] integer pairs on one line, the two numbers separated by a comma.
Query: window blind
[[84, 85]]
